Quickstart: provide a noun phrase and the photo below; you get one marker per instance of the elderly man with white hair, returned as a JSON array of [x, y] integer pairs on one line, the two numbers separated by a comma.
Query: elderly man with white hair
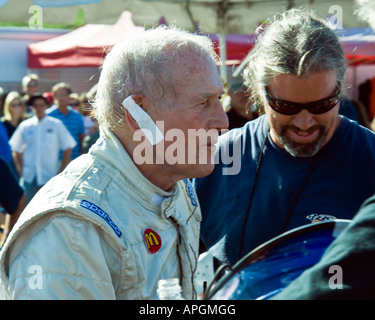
[[125, 215]]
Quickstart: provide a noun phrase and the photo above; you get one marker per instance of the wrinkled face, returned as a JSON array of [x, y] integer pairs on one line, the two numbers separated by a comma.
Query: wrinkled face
[[193, 119], [304, 133]]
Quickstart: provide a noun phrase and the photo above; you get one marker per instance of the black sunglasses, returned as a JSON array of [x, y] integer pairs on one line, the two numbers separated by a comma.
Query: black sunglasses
[[315, 107]]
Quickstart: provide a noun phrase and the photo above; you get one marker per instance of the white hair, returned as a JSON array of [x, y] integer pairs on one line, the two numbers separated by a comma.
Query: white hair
[[365, 11], [144, 64]]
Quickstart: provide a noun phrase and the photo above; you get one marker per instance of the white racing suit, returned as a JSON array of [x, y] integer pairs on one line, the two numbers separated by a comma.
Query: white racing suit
[[101, 230]]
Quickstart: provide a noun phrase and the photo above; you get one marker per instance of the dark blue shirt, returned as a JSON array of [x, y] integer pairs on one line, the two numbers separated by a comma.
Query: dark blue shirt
[[289, 192], [10, 191], [5, 150]]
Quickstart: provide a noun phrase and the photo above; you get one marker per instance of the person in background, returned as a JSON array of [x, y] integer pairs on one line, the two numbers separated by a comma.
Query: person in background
[[30, 85], [12, 198], [239, 108], [91, 138], [2, 99], [36, 145], [5, 150], [114, 222], [14, 112], [299, 163], [81, 107], [63, 111]]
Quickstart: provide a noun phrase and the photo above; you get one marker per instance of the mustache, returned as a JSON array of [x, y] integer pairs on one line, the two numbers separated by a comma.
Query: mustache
[[296, 129]]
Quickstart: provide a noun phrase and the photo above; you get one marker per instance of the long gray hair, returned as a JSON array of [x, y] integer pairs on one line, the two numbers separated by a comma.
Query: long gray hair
[[297, 43], [142, 64]]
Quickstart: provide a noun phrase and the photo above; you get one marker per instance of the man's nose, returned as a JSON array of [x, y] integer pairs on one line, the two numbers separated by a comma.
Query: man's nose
[[303, 120], [219, 120]]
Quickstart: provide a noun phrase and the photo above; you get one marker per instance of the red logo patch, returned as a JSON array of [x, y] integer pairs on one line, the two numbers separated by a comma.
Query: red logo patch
[[152, 240]]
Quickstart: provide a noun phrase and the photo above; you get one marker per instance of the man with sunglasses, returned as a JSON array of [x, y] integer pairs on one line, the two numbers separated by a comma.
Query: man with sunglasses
[[301, 162]]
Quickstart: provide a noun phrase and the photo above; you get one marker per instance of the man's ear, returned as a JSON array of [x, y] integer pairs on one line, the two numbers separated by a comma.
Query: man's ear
[[141, 101]]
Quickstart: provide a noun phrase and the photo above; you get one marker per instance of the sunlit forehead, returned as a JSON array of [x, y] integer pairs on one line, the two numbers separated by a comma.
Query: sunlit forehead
[[195, 79]]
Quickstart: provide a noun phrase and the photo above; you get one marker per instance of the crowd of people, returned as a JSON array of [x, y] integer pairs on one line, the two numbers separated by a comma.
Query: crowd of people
[[114, 226], [28, 146], [40, 134]]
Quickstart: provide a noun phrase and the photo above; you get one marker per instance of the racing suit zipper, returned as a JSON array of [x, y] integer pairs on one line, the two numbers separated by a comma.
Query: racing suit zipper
[[178, 244]]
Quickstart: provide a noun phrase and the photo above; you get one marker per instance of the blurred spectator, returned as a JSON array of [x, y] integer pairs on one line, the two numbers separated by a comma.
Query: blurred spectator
[[79, 106], [36, 144], [1, 101], [238, 107], [14, 112], [12, 198], [30, 85], [91, 138], [5, 150], [71, 119]]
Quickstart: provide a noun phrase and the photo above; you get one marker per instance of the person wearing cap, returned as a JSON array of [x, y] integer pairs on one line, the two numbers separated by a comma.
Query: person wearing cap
[[299, 163], [239, 108], [36, 144]]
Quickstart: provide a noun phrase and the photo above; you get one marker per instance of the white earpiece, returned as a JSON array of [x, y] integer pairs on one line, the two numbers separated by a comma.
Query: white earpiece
[[144, 121]]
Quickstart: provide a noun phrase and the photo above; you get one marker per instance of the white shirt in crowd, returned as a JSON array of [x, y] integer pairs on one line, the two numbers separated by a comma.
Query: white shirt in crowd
[[40, 143]]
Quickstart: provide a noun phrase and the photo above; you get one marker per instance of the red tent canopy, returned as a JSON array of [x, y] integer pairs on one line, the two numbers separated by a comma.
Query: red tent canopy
[[83, 47], [87, 46]]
